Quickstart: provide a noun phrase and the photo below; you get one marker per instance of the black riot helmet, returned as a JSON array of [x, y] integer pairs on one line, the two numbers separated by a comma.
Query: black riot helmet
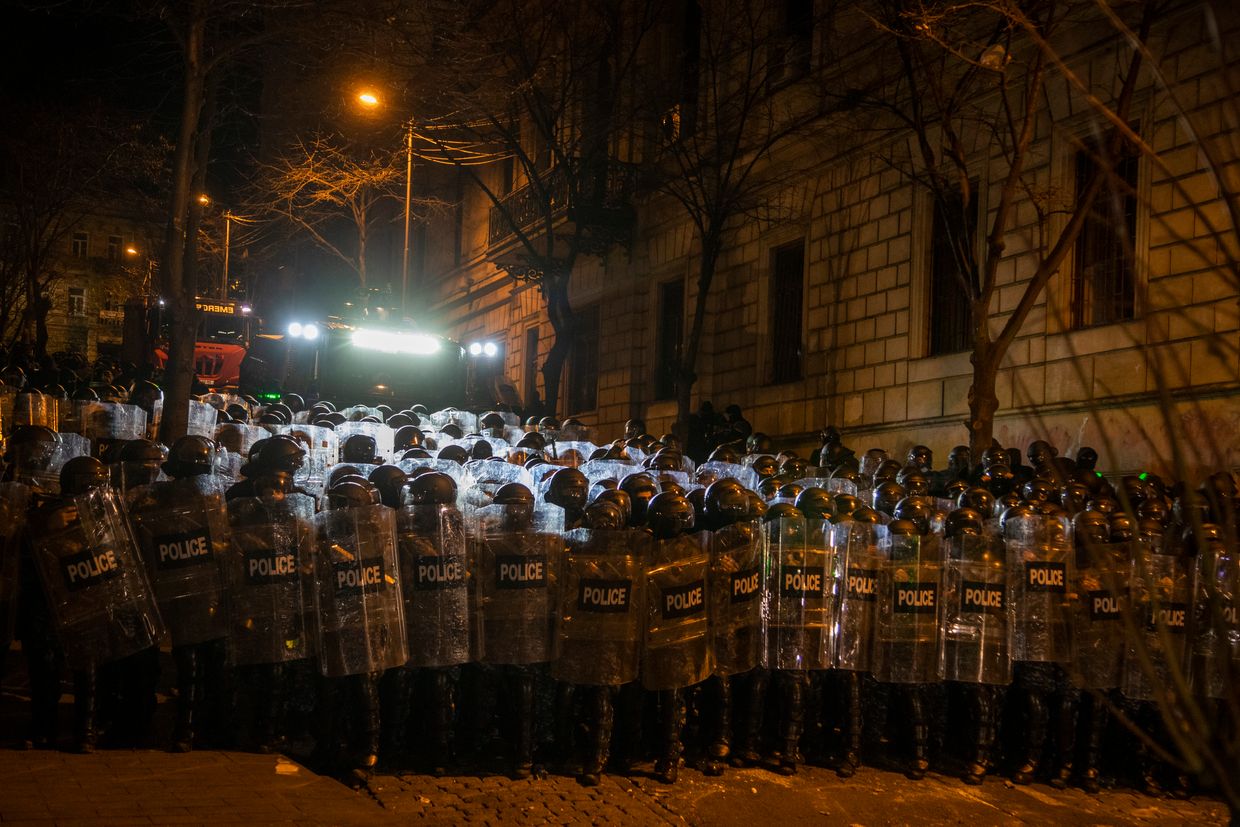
[[669, 515], [725, 503], [350, 494], [190, 456], [430, 488], [388, 479], [915, 510], [359, 448], [568, 488], [641, 488], [815, 503], [83, 474]]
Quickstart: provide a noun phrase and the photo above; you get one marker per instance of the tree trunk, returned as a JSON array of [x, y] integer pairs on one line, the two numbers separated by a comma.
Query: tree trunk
[[983, 403], [561, 315], [686, 371], [179, 369]]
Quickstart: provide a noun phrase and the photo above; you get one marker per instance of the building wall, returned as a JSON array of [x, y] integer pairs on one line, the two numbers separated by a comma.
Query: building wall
[[866, 230], [107, 278]]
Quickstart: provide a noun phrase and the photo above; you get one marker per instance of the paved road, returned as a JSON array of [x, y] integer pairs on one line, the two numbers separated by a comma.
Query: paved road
[[751, 797], [146, 787], [143, 787]]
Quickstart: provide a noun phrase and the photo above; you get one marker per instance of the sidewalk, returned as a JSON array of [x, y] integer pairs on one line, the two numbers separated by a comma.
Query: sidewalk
[[145, 787]]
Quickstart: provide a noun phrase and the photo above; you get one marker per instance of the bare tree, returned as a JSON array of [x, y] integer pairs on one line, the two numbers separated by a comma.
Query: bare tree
[[335, 195], [542, 88], [58, 167], [968, 69], [1189, 62], [211, 36], [746, 86]]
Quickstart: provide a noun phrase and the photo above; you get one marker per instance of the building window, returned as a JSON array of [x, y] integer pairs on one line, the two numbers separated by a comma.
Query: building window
[[531, 368], [80, 246], [790, 54], [1104, 288], [115, 245], [77, 301], [583, 365], [669, 335], [952, 257], [787, 299]]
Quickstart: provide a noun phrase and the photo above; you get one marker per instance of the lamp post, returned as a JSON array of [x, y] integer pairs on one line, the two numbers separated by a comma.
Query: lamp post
[[370, 100]]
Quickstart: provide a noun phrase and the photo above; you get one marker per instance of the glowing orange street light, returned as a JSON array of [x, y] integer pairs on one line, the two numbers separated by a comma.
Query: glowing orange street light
[[204, 199], [131, 250], [368, 99]]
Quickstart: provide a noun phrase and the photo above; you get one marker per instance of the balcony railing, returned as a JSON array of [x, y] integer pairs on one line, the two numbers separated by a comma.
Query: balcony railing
[[602, 196]]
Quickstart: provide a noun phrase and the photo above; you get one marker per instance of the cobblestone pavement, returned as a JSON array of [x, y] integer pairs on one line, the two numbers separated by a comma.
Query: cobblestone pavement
[[750, 797], [143, 787], [146, 787]]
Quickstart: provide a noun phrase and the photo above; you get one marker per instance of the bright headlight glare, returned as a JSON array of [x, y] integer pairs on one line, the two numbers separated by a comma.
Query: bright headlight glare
[[490, 348], [387, 342], [310, 332], [294, 329], [475, 348]]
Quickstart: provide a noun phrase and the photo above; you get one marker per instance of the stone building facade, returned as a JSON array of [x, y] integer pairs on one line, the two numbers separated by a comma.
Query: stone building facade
[[844, 282], [104, 260]]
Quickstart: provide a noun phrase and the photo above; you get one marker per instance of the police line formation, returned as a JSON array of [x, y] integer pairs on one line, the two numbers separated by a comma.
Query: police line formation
[[435, 574]]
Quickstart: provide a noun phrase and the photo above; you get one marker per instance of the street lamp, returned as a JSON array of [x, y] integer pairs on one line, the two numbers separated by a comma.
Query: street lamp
[[370, 100]]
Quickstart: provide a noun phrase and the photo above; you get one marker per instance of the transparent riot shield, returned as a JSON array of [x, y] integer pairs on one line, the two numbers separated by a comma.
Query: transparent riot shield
[[906, 633], [201, 420], [602, 607], [856, 547], [570, 454], [511, 430], [1160, 593], [736, 587], [800, 589], [13, 500], [1099, 603], [360, 604], [107, 422], [976, 632], [270, 575], [321, 453], [518, 569], [94, 580], [1039, 562], [607, 469], [68, 447], [466, 421], [36, 409], [708, 472], [676, 650], [1215, 637], [434, 578], [182, 532]]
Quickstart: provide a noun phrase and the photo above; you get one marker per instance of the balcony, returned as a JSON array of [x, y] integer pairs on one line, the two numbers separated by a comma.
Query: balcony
[[603, 207]]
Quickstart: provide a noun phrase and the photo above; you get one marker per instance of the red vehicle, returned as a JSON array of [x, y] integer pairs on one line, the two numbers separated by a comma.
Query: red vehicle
[[225, 330]]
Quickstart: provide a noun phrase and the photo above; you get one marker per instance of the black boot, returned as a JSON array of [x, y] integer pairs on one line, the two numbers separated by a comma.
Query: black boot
[[850, 760], [600, 714], [523, 719], [718, 711], [671, 723], [921, 733], [186, 659], [794, 687], [85, 687]]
